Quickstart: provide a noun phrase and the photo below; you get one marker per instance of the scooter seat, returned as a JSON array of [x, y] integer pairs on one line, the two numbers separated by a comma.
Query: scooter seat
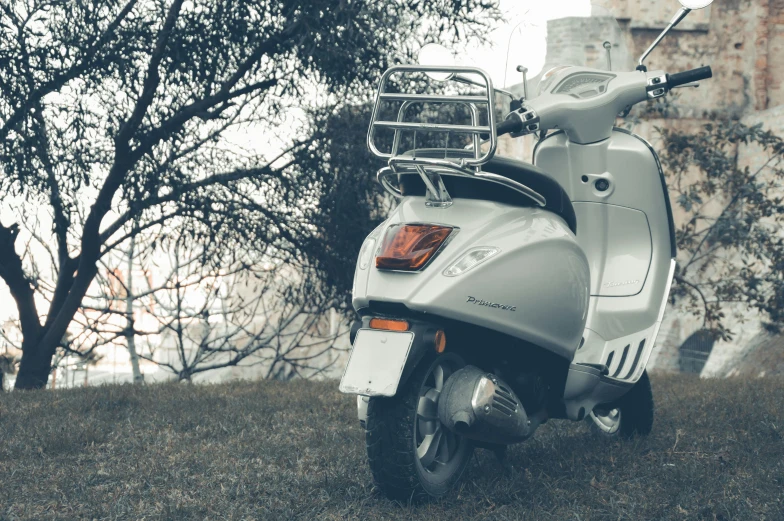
[[524, 173]]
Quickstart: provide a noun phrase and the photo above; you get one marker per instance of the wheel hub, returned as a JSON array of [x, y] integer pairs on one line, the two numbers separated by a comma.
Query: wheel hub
[[435, 445]]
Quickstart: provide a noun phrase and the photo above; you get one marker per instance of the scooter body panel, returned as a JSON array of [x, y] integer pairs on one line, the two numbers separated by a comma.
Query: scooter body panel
[[626, 233], [536, 288]]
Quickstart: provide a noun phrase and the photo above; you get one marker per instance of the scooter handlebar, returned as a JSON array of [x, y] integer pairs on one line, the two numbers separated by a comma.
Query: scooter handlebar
[[590, 118], [510, 124], [682, 78], [507, 126]]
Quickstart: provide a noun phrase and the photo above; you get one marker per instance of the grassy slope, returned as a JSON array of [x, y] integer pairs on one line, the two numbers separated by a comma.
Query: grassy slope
[[294, 451]]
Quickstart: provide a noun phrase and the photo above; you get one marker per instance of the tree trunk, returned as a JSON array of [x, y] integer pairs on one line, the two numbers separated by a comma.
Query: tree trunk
[[38, 349], [138, 377], [130, 334], [35, 366], [34, 369], [37, 355]]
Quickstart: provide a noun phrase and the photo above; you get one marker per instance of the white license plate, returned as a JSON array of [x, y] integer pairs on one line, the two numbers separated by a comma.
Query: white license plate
[[376, 362]]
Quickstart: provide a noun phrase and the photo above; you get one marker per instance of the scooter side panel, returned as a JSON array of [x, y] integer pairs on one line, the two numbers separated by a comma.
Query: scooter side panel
[[615, 322], [540, 277], [621, 255]]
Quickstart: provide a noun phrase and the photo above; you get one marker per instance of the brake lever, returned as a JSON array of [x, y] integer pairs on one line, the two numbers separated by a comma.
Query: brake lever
[[693, 84]]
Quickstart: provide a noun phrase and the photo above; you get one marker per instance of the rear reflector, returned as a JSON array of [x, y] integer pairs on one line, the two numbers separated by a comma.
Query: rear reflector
[[440, 341], [389, 324], [410, 247]]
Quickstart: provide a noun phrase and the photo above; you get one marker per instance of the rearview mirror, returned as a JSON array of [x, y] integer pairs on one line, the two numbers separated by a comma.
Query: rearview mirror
[[695, 4], [435, 54]]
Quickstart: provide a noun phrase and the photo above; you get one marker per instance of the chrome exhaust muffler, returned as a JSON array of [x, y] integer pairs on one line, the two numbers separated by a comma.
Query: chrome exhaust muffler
[[480, 406]]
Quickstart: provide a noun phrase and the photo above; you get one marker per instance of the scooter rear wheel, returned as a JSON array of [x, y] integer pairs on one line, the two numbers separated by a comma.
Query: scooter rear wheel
[[629, 416], [411, 454]]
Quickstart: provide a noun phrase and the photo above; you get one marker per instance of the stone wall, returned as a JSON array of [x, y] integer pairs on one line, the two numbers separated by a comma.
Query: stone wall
[[741, 40], [567, 37], [764, 356]]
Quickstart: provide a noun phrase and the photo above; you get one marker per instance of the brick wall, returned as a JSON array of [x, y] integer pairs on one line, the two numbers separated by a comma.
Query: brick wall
[[775, 79], [740, 39]]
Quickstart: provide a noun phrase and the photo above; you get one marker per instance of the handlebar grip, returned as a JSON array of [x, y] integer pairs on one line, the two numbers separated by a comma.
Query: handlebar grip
[[682, 78], [512, 124]]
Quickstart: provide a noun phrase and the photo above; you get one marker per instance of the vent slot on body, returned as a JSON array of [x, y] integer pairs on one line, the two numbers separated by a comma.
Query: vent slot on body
[[636, 360], [623, 360], [503, 401]]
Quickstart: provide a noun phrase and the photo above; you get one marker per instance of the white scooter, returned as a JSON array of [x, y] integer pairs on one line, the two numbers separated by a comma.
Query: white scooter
[[499, 294]]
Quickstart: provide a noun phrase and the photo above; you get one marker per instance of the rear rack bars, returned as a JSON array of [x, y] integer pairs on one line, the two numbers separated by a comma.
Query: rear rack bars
[[410, 99], [431, 169]]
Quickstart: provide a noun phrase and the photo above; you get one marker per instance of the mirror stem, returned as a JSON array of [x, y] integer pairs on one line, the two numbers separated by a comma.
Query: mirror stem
[[524, 70], [468, 81], [465, 79], [680, 15]]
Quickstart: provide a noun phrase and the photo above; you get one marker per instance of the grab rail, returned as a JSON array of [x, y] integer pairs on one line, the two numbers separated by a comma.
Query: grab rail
[[410, 165]]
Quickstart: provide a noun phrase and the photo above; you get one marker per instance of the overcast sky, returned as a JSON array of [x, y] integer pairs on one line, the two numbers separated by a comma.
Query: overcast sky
[[522, 36]]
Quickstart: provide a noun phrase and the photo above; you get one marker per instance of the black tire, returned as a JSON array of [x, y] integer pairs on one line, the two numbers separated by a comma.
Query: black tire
[[635, 409], [393, 435]]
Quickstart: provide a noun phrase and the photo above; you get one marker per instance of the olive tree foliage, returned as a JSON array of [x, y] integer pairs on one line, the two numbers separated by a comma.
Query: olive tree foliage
[[115, 112], [352, 202], [730, 239]]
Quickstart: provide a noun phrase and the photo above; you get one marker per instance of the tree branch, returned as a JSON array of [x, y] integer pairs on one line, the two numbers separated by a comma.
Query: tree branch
[[13, 274], [90, 58]]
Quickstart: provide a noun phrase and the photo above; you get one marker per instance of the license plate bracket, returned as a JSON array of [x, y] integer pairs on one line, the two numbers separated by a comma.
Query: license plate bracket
[[376, 362]]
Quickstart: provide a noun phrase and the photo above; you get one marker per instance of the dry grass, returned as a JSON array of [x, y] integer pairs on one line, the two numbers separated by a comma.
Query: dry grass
[[271, 450]]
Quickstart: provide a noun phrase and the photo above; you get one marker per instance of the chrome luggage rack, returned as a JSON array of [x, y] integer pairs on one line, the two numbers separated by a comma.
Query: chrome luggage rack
[[431, 169]]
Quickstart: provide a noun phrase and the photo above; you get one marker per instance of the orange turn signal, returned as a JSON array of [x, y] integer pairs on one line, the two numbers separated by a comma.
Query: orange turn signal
[[389, 324], [440, 341], [410, 247]]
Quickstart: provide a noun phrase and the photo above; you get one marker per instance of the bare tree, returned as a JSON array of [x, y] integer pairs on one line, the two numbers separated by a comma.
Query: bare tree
[[118, 111], [270, 314], [107, 315], [188, 314]]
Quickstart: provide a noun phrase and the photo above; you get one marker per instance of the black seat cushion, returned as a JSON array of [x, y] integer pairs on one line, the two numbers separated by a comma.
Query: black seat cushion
[[523, 173]]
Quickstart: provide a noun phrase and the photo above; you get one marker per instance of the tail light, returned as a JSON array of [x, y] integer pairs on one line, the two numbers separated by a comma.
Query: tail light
[[410, 247]]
